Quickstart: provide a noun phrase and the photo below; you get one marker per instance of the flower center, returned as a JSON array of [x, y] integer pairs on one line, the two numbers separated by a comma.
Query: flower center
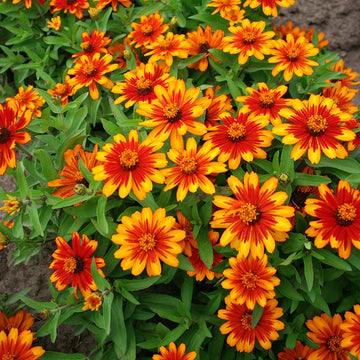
[[147, 30], [143, 86], [266, 100], [333, 344], [248, 37], [249, 214], [8, 357], [90, 69], [293, 54], [20, 98], [172, 113], [74, 264], [188, 165], [316, 125], [87, 47], [204, 47], [236, 132], [5, 134], [129, 159], [71, 2], [249, 280], [62, 89], [165, 45], [246, 321], [345, 214], [147, 242]]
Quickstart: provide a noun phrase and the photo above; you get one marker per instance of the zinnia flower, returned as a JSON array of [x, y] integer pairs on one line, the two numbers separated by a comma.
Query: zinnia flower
[[9, 134], [351, 75], [189, 242], [17, 345], [13, 205], [338, 218], [292, 57], [265, 102], [269, 7], [314, 126], [250, 280], [174, 111], [351, 331], [128, 165], [326, 331], [224, 6], [240, 138], [174, 353], [114, 3], [256, 218], [54, 23], [62, 90], [71, 174], [90, 71], [249, 39], [146, 238], [21, 320], [192, 166], [299, 352], [73, 264], [342, 96], [149, 29], [93, 44], [74, 7], [239, 325], [93, 301]]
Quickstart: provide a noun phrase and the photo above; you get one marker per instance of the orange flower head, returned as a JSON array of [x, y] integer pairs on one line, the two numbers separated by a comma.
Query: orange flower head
[[256, 218], [93, 44], [90, 71], [13, 205], [239, 325], [28, 99], [54, 23], [93, 301], [174, 111], [74, 7], [342, 96], [71, 174], [326, 331], [114, 3], [224, 6], [350, 331], [299, 352], [315, 126], [200, 41], [292, 56], [174, 353], [234, 15], [62, 90], [17, 345], [129, 165], [219, 104], [145, 238], [353, 124], [119, 49], [338, 217], [10, 134], [351, 75], [201, 270], [73, 264], [240, 138], [189, 242], [265, 102], [21, 320], [139, 84], [250, 280], [249, 39], [268, 7], [191, 170], [165, 48], [148, 31]]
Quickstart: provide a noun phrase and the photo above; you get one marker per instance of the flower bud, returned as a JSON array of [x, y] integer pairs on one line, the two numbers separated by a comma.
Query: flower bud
[[4, 241], [94, 13], [45, 313], [284, 178], [173, 23], [80, 189], [56, 99], [127, 54]]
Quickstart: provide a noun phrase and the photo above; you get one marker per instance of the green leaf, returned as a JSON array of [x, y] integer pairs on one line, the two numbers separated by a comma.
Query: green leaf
[[70, 201], [333, 260], [288, 290], [53, 325], [187, 292], [193, 59], [111, 128], [100, 282], [108, 299], [348, 164], [52, 355], [47, 166], [302, 179], [118, 327], [34, 217], [128, 296], [184, 263], [308, 271], [256, 315], [20, 176], [100, 214], [136, 284], [205, 248], [173, 335]]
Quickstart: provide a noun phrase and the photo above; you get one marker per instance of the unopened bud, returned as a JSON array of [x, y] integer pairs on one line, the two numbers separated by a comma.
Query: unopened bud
[[80, 189], [45, 313], [127, 54], [94, 13], [173, 23], [4, 241], [56, 100], [284, 179]]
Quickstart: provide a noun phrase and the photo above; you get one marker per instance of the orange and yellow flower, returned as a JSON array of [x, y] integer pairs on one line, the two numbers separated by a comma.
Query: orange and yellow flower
[[9, 134], [174, 353], [291, 56], [21, 320], [114, 3], [326, 331], [145, 238], [54, 23], [351, 75], [250, 280], [73, 264], [300, 351], [315, 126], [224, 6], [62, 90], [74, 7], [268, 7], [249, 39], [90, 71], [189, 242], [120, 49], [13, 205], [234, 15], [71, 174], [139, 84], [200, 269], [148, 31], [129, 165], [191, 170], [351, 331], [17, 345], [265, 102], [338, 217], [240, 138], [200, 41], [165, 48], [93, 44], [342, 96], [93, 301], [239, 325], [256, 218], [174, 111]]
